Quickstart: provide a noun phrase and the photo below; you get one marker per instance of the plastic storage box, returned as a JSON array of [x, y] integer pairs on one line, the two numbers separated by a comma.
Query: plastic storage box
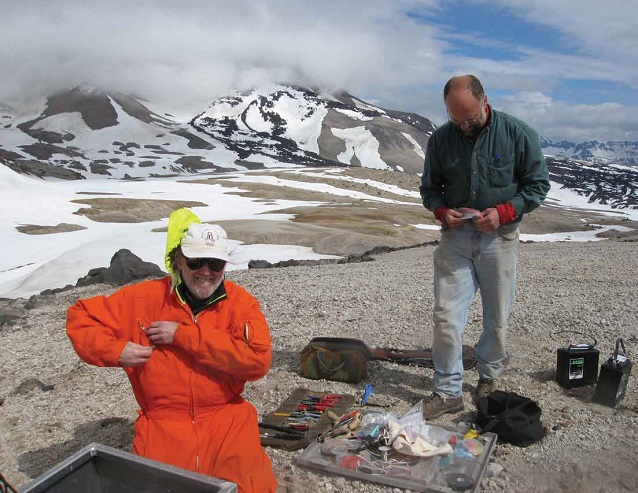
[[100, 469], [461, 471]]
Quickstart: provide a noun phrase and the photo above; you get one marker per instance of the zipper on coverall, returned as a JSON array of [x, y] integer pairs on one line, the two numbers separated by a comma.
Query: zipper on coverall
[[193, 408]]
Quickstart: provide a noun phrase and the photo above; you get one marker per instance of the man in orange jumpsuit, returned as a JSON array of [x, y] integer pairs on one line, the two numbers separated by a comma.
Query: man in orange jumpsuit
[[188, 343]]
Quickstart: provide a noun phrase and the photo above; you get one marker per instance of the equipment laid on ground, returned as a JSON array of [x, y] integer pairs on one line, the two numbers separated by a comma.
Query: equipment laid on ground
[[302, 417], [100, 469], [576, 364], [358, 458], [614, 374], [344, 359]]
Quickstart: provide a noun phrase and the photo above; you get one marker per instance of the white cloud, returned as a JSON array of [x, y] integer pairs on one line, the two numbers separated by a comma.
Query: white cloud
[[597, 45], [183, 55], [573, 122], [199, 50], [608, 28]]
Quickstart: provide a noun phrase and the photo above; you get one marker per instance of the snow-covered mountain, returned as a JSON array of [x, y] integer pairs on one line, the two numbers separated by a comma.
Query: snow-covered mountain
[[86, 132], [300, 126], [607, 152]]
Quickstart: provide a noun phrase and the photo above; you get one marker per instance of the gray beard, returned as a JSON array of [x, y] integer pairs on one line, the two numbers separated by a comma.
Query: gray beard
[[473, 132]]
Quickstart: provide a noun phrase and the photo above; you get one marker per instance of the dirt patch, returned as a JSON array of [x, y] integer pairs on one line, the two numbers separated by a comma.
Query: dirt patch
[[98, 193], [266, 191], [34, 229], [340, 224], [116, 210], [329, 238], [552, 219]]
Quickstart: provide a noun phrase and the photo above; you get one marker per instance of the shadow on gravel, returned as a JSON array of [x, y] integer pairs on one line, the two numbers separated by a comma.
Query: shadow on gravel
[[113, 432], [286, 360], [404, 385], [583, 394], [543, 375]]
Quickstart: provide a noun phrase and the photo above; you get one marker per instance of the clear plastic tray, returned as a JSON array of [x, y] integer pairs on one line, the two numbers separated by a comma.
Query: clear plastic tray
[[442, 473]]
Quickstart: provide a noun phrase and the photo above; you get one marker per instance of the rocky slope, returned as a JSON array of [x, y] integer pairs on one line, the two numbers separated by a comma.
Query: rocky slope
[[52, 403], [607, 184]]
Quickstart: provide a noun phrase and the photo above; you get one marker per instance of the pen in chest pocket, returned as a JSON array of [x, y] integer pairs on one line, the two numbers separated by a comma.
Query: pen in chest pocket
[[144, 329]]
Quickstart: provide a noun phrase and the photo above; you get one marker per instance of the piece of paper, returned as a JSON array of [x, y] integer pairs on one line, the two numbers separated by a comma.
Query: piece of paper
[[469, 214]]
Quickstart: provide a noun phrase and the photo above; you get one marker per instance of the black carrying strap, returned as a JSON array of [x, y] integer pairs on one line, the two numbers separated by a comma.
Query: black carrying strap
[[5, 487], [617, 352], [619, 344], [575, 332]]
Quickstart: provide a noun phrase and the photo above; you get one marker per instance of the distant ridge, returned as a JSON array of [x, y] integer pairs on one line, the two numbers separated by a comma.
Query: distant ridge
[[87, 133], [605, 152]]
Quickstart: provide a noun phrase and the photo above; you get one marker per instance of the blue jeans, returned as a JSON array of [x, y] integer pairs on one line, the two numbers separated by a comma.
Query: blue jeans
[[464, 261]]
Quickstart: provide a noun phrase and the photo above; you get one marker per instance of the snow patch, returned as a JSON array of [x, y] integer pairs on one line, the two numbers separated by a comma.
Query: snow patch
[[360, 143], [354, 114]]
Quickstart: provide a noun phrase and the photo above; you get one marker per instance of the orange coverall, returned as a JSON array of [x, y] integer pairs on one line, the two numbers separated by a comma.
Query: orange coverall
[[192, 414]]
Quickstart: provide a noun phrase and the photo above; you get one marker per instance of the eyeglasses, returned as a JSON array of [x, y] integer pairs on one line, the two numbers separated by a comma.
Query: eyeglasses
[[470, 121], [465, 123], [214, 264]]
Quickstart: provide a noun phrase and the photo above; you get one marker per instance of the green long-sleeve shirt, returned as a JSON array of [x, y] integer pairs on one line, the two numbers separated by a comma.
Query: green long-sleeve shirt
[[505, 164]]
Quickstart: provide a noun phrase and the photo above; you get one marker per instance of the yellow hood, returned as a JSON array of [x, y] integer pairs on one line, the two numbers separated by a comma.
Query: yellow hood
[[178, 223]]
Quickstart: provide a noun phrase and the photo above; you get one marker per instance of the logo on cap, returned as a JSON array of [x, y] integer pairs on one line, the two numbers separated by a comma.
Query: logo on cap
[[212, 236]]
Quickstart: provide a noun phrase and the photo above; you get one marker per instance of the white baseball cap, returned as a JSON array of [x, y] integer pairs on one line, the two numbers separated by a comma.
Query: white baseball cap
[[205, 241]]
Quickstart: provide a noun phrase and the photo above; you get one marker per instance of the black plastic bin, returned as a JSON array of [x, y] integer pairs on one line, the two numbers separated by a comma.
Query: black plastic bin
[[100, 469]]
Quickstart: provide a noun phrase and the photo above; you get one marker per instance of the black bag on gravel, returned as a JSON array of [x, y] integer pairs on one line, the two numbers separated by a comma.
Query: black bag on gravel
[[513, 417]]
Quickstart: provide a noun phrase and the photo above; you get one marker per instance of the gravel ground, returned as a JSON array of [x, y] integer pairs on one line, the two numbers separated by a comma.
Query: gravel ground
[[53, 404]]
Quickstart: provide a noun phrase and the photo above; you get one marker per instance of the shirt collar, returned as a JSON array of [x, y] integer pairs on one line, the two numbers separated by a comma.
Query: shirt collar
[[196, 305]]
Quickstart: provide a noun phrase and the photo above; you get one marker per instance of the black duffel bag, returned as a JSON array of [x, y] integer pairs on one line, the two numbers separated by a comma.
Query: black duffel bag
[[513, 417]]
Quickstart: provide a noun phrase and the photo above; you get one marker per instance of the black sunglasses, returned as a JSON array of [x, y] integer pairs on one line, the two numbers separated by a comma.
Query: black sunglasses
[[214, 264]]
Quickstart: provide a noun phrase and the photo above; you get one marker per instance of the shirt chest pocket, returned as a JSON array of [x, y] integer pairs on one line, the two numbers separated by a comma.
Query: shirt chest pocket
[[501, 170]]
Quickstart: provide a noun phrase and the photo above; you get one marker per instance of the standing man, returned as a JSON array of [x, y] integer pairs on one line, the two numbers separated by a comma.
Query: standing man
[[483, 170], [188, 343]]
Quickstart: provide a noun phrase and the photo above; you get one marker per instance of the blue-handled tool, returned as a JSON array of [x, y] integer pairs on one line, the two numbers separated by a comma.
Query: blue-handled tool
[[366, 394]]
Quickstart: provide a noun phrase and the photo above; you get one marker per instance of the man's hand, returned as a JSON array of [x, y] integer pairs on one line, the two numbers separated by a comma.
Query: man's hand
[[134, 354], [454, 217], [488, 221], [161, 332]]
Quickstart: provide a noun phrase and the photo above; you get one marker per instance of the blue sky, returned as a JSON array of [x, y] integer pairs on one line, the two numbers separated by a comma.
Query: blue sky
[[569, 68]]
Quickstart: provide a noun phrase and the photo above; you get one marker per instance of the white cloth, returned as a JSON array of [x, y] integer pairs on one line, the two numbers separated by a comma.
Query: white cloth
[[400, 441]]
